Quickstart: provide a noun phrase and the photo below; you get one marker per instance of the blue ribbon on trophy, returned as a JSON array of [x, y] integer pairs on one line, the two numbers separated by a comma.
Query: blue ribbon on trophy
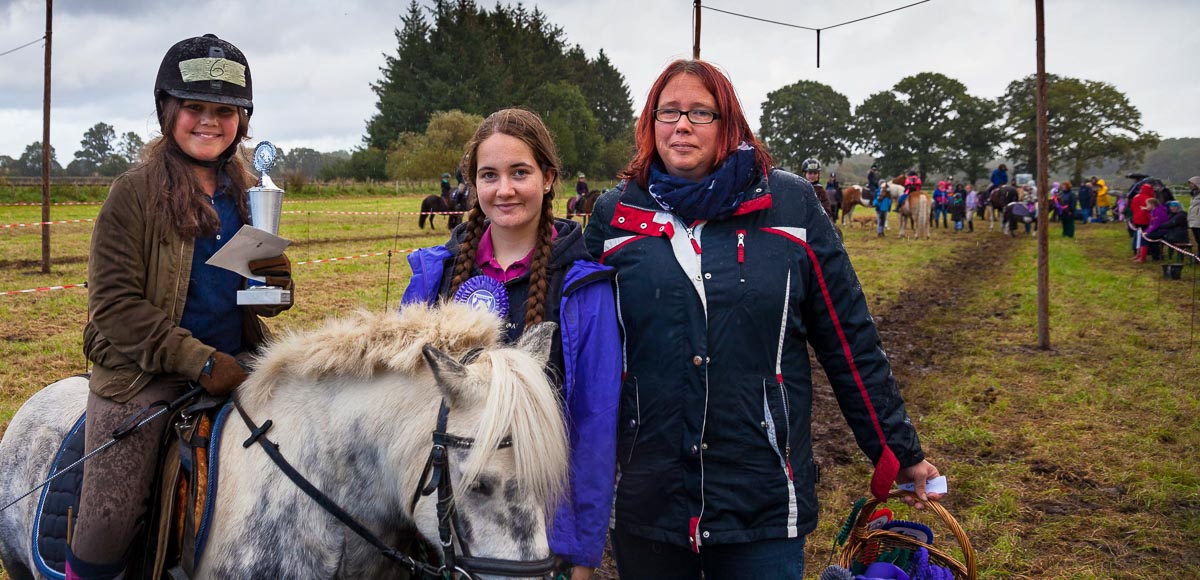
[[484, 293]]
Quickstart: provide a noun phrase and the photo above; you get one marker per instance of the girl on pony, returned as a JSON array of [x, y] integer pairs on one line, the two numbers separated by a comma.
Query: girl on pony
[[160, 317], [513, 255]]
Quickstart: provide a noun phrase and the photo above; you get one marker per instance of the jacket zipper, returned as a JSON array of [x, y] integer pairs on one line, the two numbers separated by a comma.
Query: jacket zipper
[[741, 256]]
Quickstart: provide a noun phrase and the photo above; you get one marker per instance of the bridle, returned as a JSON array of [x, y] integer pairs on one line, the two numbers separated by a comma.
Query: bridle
[[437, 472]]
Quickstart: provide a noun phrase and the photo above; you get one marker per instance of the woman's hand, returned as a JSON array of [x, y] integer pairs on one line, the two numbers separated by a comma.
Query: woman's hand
[[582, 573], [917, 475]]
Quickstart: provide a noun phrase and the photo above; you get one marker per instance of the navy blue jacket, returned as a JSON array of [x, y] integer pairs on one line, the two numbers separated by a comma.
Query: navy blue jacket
[[999, 177], [714, 442], [585, 355]]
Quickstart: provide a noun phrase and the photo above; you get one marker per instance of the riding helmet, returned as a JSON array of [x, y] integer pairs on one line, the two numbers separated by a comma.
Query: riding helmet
[[205, 68], [810, 164]]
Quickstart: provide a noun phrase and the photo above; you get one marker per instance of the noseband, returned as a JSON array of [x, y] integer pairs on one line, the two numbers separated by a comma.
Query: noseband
[[437, 472]]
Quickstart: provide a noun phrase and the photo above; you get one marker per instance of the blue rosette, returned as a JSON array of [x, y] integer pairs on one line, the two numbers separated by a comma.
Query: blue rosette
[[484, 293]]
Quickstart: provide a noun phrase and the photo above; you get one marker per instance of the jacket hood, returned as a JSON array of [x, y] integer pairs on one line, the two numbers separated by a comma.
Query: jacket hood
[[568, 246]]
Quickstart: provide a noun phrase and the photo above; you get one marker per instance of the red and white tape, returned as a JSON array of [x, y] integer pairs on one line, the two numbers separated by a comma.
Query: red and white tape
[[45, 289], [332, 212], [325, 260], [321, 261], [1173, 247], [35, 224], [38, 204]]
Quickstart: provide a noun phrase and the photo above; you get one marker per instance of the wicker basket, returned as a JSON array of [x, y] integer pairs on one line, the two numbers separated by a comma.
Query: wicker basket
[[861, 540]]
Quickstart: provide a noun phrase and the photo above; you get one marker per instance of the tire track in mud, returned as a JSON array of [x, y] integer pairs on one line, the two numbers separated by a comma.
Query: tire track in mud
[[912, 344]]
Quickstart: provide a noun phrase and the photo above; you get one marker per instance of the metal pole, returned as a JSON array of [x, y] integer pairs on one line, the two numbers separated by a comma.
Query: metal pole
[[1043, 178], [46, 145], [818, 48], [696, 36]]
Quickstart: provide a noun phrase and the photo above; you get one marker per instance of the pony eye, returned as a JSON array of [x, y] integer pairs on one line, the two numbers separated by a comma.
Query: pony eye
[[484, 486]]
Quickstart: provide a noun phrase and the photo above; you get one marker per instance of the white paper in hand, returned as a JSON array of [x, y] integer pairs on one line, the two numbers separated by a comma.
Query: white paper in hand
[[935, 485], [248, 244]]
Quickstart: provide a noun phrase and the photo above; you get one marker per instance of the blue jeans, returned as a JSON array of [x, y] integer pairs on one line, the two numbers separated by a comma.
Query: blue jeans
[[639, 558]]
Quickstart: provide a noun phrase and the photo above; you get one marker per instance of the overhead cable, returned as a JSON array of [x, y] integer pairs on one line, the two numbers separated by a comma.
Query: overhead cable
[[30, 43]]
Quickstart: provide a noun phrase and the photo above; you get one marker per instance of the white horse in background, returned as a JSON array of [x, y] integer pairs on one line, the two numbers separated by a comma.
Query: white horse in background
[[353, 405]]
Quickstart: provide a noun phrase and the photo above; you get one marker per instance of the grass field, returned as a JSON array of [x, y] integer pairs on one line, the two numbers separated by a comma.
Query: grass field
[[1073, 462]]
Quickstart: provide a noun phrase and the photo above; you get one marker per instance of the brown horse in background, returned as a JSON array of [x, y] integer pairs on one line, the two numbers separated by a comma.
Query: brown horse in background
[[582, 205], [431, 207], [852, 197]]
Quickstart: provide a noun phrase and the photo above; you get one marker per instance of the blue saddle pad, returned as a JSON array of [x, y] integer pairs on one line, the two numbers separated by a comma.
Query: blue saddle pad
[[59, 498]]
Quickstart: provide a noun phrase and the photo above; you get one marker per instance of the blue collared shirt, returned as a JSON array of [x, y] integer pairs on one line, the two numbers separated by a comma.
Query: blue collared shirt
[[211, 312]]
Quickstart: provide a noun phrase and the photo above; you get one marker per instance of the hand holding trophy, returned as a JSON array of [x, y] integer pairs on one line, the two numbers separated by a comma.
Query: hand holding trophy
[[266, 204]]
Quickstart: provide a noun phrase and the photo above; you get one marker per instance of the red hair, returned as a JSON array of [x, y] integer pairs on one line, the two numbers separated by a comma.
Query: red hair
[[733, 130]]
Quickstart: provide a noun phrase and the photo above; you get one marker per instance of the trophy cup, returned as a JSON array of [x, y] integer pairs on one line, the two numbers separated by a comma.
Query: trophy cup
[[266, 203]]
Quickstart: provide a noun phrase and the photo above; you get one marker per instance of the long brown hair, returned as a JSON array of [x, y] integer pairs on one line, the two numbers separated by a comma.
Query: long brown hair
[[526, 126], [179, 198], [733, 129]]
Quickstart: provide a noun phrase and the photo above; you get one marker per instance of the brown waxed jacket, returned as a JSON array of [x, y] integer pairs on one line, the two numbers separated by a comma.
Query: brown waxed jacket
[[138, 274]]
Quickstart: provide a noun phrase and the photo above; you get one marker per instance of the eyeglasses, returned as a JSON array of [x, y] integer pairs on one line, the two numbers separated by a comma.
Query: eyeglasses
[[695, 116]]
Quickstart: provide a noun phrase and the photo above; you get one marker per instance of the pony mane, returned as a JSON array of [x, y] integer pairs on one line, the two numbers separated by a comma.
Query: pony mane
[[363, 343]]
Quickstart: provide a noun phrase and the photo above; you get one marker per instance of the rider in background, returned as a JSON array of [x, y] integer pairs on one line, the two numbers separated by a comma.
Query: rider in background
[[511, 246], [912, 184], [999, 177], [811, 168], [160, 316]]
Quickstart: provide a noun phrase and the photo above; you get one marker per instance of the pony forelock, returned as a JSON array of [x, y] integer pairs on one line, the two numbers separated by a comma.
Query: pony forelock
[[521, 403]]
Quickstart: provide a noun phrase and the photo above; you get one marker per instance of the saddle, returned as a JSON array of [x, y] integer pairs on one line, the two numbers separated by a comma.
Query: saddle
[[176, 527]]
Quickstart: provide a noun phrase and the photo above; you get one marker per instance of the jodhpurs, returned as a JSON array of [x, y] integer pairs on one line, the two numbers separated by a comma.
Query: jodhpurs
[[117, 481]]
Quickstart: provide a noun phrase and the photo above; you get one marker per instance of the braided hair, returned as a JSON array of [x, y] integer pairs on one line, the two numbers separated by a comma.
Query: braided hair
[[528, 127]]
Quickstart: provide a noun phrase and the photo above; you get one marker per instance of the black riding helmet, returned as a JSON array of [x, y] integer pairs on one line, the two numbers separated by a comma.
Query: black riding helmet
[[810, 164], [205, 68]]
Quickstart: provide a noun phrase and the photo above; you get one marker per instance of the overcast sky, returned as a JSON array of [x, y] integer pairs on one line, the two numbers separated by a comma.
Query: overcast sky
[[313, 60]]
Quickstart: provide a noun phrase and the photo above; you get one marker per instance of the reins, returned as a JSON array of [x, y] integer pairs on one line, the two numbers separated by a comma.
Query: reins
[[259, 434]]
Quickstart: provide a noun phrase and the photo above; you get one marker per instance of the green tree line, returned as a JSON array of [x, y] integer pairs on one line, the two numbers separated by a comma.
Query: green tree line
[[929, 123], [102, 153]]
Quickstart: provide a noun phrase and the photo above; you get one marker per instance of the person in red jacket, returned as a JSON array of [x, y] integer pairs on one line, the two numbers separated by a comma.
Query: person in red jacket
[[1141, 219]]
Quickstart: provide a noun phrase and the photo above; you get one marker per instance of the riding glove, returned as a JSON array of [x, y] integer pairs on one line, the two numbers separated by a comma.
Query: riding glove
[[277, 270], [222, 374]]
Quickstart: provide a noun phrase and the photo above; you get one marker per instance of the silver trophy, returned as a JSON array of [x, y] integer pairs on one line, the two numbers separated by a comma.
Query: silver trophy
[[266, 204]]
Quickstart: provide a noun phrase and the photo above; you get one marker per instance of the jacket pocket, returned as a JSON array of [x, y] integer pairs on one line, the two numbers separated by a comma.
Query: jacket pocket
[[630, 420], [776, 422]]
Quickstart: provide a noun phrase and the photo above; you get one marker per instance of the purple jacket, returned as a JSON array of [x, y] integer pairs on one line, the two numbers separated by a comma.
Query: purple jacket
[[1158, 217], [591, 382]]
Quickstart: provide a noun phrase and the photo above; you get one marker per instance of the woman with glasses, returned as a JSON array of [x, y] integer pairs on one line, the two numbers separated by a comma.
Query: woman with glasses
[[727, 270]]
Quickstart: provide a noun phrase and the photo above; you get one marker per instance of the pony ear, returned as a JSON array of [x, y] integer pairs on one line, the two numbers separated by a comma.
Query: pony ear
[[450, 374], [536, 341]]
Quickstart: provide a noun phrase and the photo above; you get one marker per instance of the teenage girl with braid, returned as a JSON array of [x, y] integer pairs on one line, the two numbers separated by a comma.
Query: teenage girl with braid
[[513, 256]]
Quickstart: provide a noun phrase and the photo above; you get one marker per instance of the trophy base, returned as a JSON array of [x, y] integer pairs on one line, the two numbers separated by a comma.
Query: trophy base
[[264, 295]]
